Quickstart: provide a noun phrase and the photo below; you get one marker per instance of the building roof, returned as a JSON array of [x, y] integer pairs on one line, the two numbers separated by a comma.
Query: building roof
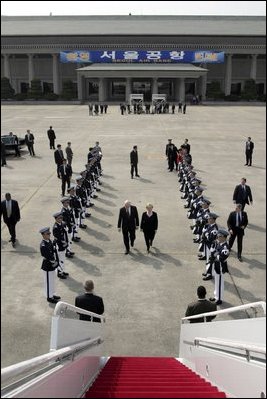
[[133, 25]]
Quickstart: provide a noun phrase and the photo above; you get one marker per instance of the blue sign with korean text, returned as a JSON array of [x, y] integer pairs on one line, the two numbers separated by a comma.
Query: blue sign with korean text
[[142, 56]]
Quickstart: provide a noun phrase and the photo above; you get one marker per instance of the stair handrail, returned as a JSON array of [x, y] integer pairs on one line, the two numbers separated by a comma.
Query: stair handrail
[[61, 308], [55, 355], [228, 310], [232, 344]]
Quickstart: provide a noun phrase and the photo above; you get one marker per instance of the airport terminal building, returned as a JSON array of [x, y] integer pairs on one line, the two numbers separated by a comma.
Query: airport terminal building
[[109, 57]]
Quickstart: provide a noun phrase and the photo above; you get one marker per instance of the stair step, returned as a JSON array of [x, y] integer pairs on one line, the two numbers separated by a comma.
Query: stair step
[[152, 394]]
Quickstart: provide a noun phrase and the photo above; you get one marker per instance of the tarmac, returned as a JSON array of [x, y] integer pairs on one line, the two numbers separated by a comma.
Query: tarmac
[[145, 295]]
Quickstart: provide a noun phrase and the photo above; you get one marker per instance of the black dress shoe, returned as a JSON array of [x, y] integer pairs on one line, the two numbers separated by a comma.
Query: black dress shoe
[[91, 204], [196, 240], [132, 243], [68, 255], [76, 239], [202, 258], [204, 274], [137, 175], [98, 189], [61, 275], [52, 300], [95, 196], [65, 274], [218, 302], [208, 277], [126, 252], [240, 259], [83, 226], [56, 297], [87, 215], [212, 299]]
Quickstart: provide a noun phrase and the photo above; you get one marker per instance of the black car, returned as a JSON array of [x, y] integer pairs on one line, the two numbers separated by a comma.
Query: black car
[[11, 142]]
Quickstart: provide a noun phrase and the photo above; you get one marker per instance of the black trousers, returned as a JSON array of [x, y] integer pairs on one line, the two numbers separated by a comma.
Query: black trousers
[[12, 230], [63, 185], [239, 233], [134, 169], [30, 148], [52, 144], [128, 234], [248, 157], [149, 237]]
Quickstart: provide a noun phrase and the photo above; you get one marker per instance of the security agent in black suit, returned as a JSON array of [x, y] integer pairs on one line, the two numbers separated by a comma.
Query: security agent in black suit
[[134, 161], [65, 172], [237, 222], [89, 301], [129, 222], [49, 265], [51, 136], [149, 225], [242, 194], [29, 140], [202, 305], [249, 151], [186, 145], [11, 215], [59, 156]]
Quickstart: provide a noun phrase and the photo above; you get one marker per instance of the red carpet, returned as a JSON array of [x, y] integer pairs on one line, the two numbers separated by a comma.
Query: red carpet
[[150, 377]]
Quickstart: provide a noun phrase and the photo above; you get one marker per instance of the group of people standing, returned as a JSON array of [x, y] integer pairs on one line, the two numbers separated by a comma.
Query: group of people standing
[[67, 223], [159, 107], [214, 248]]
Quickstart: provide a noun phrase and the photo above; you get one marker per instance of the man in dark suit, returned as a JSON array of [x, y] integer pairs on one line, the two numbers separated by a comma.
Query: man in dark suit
[[202, 305], [249, 151], [134, 161], [52, 136], [59, 156], [65, 172], [89, 301], [29, 141], [242, 194], [237, 222], [186, 145], [11, 215], [129, 222]]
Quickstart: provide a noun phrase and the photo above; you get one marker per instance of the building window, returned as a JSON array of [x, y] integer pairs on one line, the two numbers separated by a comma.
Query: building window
[[48, 87], [93, 88], [118, 89], [24, 87], [165, 87], [260, 89], [236, 89]]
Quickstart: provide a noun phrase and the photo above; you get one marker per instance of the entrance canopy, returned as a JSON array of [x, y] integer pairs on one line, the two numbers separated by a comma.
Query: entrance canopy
[[141, 70]]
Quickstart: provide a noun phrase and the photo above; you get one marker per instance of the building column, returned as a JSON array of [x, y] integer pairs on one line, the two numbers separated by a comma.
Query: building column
[[203, 88], [102, 90], [181, 90], [30, 68], [228, 75], [80, 86], [56, 86], [253, 67], [155, 86], [6, 66], [128, 89]]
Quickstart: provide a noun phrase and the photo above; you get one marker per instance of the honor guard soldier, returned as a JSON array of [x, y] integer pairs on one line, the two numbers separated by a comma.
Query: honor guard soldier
[[75, 205], [208, 237], [81, 194], [202, 219], [61, 243], [219, 255], [49, 265], [69, 221]]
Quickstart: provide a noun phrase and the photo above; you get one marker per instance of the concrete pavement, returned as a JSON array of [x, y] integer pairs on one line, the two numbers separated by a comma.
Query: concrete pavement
[[145, 295]]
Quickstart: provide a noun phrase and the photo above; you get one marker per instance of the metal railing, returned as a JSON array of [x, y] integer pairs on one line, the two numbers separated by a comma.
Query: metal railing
[[231, 344], [62, 307], [252, 305], [56, 356]]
